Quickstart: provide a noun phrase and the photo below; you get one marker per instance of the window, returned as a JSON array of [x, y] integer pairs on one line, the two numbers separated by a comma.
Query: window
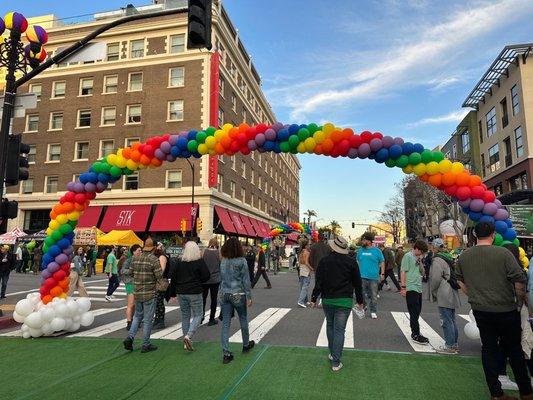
[[233, 163], [131, 182], [36, 88], [82, 151], [259, 203], [174, 179], [106, 147], [518, 182], [220, 183], [490, 119], [32, 122], [129, 141], [515, 101], [109, 116], [113, 51], [137, 48], [176, 77], [56, 121], [232, 189], [86, 86], [483, 165], [259, 182], [243, 169], [508, 153], [454, 152], [51, 184], [110, 83], [220, 117], [244, 116], [252, 176], [221, 85], [233, 102], [177, 43], [54, 152], [505, 116], [84, 118], [465, 141], [58, 89], [479, 127], [243, 195], [494, 158], [519, 142], [27, 186], [133, 114], [32, 154], [175, 110], [135, 81]]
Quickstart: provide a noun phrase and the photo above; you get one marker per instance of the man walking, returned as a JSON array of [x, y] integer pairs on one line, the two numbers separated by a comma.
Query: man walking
[[146, 271], [337, 276], [398, 259], [6, 265], [261, 270], [495, 285], [372, 267], [390, 264], [318, 251], [250, 260], [111, 269], [411, 288]]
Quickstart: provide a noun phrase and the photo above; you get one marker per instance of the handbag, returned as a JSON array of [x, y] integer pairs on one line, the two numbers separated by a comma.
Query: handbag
[[161, 285]]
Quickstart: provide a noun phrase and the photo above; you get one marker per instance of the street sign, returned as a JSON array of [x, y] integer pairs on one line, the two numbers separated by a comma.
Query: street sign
[[521, 216]]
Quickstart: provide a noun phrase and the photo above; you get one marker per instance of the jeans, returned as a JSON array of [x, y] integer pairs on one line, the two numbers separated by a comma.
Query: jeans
[[414, 306], [144, 312], [449, 326], [305, 281], [502, 329], [261, 272], [370, 293], [227, 307], [191, 304], [213, 289], [4, 277], [113, 284], [336, 318], [389, 273], [18, 266]]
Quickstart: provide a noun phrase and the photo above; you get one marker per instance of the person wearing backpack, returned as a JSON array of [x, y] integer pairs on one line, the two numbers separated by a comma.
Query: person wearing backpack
[[444, 289]]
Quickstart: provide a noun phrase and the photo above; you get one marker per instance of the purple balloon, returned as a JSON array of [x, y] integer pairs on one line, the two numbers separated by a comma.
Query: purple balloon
[[100, 187], [252, 145], [270, 134], [70, 186], [353, 153], [364, 150], [501, 215], [61, 259], [79, 187], [261, 150], [68, 251], [260, 139], [387, 141], [173, 140], [399, 141], [90, 187], [165, 147], [45, 274], [490, 209], [52, 267], [376, 144], [171, 158], [498, 203], [465, 203], [158, 153], [278, 126], [476, 205]]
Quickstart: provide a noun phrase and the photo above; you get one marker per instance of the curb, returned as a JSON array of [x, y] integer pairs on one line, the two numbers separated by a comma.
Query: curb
[[7, 321]]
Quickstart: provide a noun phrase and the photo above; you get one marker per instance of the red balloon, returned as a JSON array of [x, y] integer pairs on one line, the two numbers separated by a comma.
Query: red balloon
[[344, 147], [366, 136], [477, 192], [148, 151], [245, 150], [335, 152], [484, 186], [50, 283], [62, 199], [59, 275], [242, 139], [69, 196], [65, 268], [44, 290], [355, 141], [234, 147], [451, 190], [463, 193], [250, 133], [80, 198], [488, 196], [377, 135], [261, 128], [92, 195]]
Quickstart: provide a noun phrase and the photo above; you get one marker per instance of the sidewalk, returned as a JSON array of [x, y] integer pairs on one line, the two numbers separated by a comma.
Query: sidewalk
[[61, 368]]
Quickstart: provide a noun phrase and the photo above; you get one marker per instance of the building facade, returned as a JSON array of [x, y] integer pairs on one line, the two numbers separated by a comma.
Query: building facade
[[463, 144], [148, 83]]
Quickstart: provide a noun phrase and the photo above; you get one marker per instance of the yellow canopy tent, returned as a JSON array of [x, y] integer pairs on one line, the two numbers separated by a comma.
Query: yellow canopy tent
[[119, 238]]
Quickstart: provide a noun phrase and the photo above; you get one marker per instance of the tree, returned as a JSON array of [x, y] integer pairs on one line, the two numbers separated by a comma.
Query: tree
[[394, 216], [335, 228], [310, 213]]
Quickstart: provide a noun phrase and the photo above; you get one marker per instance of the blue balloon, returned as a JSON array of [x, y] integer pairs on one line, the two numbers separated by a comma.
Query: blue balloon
[[466, 210], [175, 151], [509, 223], [277, 149], [191, 135], [70, 236], [500, 227], [47, 259], [372, 156], [186, 153], [196, 155], [418, 148], [93, 177], [113, 179], [382, 155], [474, 216], [63, 243], [395, 151], [283, 135], [509, 235], [84, 178], [182, 143], [293, 129], [269, 145], [104, 178], [407, 148], [54, 250], [487, 218]]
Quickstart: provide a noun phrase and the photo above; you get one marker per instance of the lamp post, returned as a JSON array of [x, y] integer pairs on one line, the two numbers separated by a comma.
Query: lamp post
[[193, 209]]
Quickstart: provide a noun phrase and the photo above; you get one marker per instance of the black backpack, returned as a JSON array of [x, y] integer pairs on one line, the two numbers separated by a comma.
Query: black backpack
[[453, 279]]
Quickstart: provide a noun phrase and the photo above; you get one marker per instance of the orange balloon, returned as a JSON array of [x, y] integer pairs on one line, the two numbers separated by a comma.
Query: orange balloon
[[233, 132], [79, 207], [346, 133], [219, 149], [318, 149], [56, 291], [435, 180], [126, 153], [424, 178], [135, 155], [462, 179], [226, 141], [64, 283], [145, 160], [336, 136], [448, 178], [47, 299], [474, 181], [58, 208], [243, 127], [68, 207], [156, 162], [136, 145], [327, 145], [53, 214]]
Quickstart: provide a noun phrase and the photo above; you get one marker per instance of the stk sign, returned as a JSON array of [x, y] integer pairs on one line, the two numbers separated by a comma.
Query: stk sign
[[133, 217], [125, 217]]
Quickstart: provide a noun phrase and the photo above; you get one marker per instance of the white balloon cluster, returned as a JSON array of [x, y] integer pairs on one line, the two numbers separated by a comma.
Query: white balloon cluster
[[471, 329], [40, 319]]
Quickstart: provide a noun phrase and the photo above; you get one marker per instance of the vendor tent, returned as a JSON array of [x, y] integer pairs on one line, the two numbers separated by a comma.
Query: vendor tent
[[38, 237], [119, 238], [12, 236]]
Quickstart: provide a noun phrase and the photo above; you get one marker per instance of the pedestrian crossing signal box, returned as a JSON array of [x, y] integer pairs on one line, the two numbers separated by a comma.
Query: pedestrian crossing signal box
[[199, 225], [183, 225]]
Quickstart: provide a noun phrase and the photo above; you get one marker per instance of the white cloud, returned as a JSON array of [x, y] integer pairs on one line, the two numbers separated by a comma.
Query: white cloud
[[454, 116]]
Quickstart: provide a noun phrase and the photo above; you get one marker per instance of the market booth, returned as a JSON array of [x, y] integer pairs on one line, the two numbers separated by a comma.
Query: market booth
[[12, 236]]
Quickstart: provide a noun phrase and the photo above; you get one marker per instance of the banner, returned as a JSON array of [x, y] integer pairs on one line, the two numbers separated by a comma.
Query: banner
[[522, 218], [85, 237]]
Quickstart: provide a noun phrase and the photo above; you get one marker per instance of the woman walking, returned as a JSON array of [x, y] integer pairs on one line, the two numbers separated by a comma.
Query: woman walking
[[212, 260], [235, 293], [126, 277], [75, 274], [159, 318], [305, 275], [188, 277]]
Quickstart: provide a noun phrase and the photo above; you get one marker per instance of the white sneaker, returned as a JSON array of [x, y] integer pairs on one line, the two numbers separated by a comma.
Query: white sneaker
[[387, 287], [359, 313], [373, 315], [108, 298], [302, 305], [507, 383], [330, 358], [337, 368], [378, 295]]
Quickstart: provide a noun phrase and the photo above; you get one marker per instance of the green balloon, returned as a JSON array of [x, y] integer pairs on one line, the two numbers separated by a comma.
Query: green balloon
[[192, 146], [516, 242], [210, 131], [56, 235], [200, 137], [65, 229], [415, 158], [45, 248], [284, 147], [49, 241], [391, 163], [427, 156], [498, 239], [402, 161], [115, 171], [294, 151], [303, 134], [73, 223], [294, 141], [438, 156], [506, 242], [312, 128], [127, 171], [96, 167], [104, 168]]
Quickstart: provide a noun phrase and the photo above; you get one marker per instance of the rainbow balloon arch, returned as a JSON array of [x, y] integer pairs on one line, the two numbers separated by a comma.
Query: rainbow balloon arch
[[429, 166], [285, 229]]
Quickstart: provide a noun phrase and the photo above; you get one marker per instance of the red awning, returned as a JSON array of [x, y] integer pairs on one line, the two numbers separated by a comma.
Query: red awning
[[237, 223], [257, 226], [90, 217], [248, 225], [225, 219], [126, 217], [266, 227], [167, 217]]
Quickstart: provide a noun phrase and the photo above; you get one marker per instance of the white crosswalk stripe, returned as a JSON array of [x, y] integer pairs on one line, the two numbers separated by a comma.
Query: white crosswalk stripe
[[322, 340], [175, 331], [260, 325], [435, 341]]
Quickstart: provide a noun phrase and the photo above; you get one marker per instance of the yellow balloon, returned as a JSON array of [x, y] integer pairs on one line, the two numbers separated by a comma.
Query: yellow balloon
[[119, 153], [132, 165], [219, 134], [54, 225], [202, 148], [419, 169], [227, 127], [112, 159], [457, 167], [301, 148], [73, 216], [49, 231], [121, 162], [310, 144], [328, 128], [319, 136], [445, 166], [62, 219], [63, 295], [408, 169], [210, 142], [521, 252], [142, 166], [432, 168]]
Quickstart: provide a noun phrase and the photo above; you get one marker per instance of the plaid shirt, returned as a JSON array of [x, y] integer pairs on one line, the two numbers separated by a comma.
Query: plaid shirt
[[146, 271]]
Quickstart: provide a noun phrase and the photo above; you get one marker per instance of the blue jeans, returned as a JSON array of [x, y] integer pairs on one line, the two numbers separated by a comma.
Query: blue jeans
[[449, 327], [305, 281], [370, 293], [144, 312], [191, 303], [227, 307], [336, 318]]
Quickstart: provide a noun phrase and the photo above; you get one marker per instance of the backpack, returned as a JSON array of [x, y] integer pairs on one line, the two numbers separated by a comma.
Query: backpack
[[453, 279]]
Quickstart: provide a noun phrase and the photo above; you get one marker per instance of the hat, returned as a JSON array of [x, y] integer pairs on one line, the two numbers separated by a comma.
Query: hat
[[148, 245], [5, 247], [438, 242], [339, 245], [368, 236]]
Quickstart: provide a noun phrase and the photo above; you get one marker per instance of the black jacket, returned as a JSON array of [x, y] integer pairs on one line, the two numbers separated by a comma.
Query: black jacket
[[7, 265], [338, 276], [186, 277]]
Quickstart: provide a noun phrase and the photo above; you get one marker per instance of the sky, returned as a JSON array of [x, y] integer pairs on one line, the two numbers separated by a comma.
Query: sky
[[400, 67]]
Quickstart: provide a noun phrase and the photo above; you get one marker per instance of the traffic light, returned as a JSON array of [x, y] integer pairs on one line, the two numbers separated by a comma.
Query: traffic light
[[17, 161], [199, 225], [199, 24], [183, 225], [9, 209], [353, 225]]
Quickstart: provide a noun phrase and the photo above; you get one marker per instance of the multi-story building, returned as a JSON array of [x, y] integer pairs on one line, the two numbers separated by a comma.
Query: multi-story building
[[463, 144], [149, 83]]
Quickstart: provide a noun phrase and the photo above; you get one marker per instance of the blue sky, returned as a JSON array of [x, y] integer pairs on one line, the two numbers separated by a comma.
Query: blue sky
[[401, 67]]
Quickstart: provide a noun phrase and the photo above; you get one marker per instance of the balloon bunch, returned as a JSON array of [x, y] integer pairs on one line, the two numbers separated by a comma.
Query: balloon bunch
[[289, 228]]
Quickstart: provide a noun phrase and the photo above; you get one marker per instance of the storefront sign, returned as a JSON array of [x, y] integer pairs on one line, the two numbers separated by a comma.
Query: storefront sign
[[522, 218], [214, 93]]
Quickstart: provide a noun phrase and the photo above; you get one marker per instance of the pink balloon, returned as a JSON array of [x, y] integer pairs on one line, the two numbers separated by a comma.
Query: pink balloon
[[260, 139], [270, 134], [252, 145], [353, 153]]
